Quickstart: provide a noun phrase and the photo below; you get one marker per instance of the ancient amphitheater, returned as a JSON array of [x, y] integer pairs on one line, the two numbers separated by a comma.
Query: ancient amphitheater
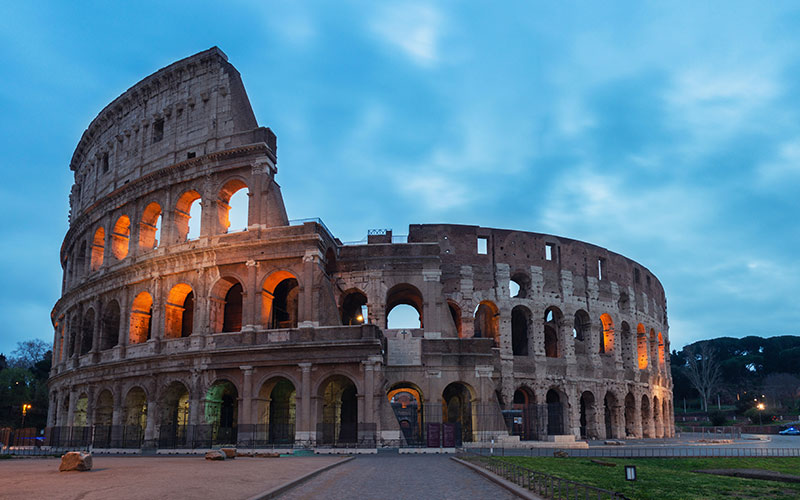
[[277, 335]]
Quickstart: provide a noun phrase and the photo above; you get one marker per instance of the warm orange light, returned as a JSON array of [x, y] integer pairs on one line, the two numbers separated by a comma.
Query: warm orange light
[[360, 318], [25, 409], [761, 406]]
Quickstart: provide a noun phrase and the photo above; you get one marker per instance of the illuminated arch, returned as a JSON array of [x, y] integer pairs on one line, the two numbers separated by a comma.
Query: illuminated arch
[[141, 317], [98, 248], [120, 237], [150, 227], [179, 312]]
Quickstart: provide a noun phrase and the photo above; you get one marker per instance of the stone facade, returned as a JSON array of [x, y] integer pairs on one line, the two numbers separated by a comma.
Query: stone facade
[[279, 332]]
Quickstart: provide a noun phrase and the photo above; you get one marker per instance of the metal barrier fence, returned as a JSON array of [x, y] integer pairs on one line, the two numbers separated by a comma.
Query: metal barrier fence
[[719, 432], [545, 485], [642, 452]]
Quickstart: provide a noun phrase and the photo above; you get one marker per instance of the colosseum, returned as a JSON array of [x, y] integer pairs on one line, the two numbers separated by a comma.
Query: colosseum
[[280, 334]]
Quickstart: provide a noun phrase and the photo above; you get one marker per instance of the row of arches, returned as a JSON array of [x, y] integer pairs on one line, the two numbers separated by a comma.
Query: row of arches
[[225, 305], [232, 206]]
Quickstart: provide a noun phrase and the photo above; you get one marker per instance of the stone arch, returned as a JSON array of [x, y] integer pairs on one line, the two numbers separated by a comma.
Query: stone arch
[[658, 423], [98, 248], [455, 316], [458, 407], [588, 416], [523, 404], [339, 419], [81, 260], [110, 326], [141, 316], [611, 417], [520, 321], [330, 261], [221, 410], [556, 401], [228, 190], [354, 303], [627, 344], [104, 408], [183, 213], [661, 358], [487, 321], [552, 332], [607, 339], [134, 414], [277, 411], [173, 408], [641, 346], [666, 418], [150, 227], [521, 283], [87, 331], [647, 421], [405, 294], [179, 312], [280, 295], [80, 414], [72, 337], [120, 237], [652, 352], [226, 305], [406, 400], [581, 328], [630, 415]]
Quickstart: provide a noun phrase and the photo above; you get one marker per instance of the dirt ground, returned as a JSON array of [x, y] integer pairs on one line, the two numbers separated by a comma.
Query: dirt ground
[[152, 477]]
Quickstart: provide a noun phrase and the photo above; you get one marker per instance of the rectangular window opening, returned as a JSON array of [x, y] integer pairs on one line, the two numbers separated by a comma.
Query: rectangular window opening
[[158, 130], [190, 155], [600, 263], [548, 251], [105, 162], [483, 245]]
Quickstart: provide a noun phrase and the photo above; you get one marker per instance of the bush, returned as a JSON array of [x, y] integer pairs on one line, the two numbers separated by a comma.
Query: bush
[[718, 418], [763, 416]]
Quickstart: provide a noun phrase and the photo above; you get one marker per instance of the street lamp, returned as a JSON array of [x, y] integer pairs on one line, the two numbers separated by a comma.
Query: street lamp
[[760, 407], [25, 408]]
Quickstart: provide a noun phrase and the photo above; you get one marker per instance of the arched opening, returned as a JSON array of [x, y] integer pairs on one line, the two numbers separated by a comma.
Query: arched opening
[[520, 319], [354, 307], [611, 409], [588, 418], [524, 415], [87, 333], [80, 414], [555, 413], [647, 421], [457, 408], [641, 346], [104, 410], [404, 307], [174, 418], [225, 311], [455, 315], [234, 201], [280, 295], [406, 402], [630, 415], [134, 416], [487, 319], [188, 216], [110, 326], [81, 261], [277, 412], [519, 285], [627, 344], [179, 313], [552, 330], [330, 261], [653, 345], [666, 418], [339, 411], [658, 423], [661, 359], [607, 334], [222, 411], [150, 227], [580, 327], [120, 237], [98, 248], [141, 315], [74, 334]]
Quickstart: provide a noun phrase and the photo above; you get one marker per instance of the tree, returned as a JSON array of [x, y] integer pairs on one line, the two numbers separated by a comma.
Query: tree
[[28, 353], [703, 371]]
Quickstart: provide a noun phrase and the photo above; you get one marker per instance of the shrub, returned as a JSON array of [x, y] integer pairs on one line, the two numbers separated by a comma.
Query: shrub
[[718, 417], [763, 416]]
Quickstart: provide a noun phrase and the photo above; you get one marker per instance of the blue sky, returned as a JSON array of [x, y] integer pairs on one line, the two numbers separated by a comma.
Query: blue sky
[[668, 132]]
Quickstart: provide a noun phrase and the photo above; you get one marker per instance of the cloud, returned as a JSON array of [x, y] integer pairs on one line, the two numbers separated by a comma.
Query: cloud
[[784, 167], [415, 29]]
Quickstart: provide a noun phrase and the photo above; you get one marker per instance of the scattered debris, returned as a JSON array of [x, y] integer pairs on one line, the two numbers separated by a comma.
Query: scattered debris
[[75, 460]]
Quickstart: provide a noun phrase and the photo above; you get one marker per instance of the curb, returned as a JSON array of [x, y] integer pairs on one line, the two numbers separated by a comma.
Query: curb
[[274, 492], [513, 488]]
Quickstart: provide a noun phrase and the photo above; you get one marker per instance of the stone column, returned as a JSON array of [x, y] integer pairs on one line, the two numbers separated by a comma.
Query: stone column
[[150, 431], [52, 409], [304, 431], [307, 313], [73, 399], [245, 417], [250, 317], [157, 316], [124, 321]]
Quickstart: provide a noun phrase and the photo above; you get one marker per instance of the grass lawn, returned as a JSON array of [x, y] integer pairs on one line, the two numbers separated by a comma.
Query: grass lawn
[[672, 478]]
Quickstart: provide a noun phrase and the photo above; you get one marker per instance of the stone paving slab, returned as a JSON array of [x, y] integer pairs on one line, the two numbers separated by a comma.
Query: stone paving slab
[[143, 478], [390, 475]]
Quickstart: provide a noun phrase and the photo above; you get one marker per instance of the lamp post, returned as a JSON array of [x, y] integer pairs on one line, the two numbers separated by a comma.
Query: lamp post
[[25, 408], [760, 407]]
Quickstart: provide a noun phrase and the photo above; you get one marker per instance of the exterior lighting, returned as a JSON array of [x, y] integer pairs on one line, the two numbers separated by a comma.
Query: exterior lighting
[[360, 318], [760, 407], [25, 408], [630, 473]]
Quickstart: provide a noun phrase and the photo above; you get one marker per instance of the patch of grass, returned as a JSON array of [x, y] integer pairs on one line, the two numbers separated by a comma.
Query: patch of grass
[[672, 478], [6, 457]]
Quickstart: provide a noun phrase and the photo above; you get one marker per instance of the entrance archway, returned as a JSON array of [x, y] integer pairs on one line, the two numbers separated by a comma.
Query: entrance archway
[[588, 419], [339, 411], [222, 411], [406, 402], [555, 413], [277, 412], [457, 409], [524, 415]]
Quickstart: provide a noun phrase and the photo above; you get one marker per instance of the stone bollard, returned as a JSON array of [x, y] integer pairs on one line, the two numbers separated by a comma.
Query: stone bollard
[[75, 460]]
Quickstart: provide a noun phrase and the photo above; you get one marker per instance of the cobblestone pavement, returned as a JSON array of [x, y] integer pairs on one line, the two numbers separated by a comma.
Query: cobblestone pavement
[[390, 475]]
